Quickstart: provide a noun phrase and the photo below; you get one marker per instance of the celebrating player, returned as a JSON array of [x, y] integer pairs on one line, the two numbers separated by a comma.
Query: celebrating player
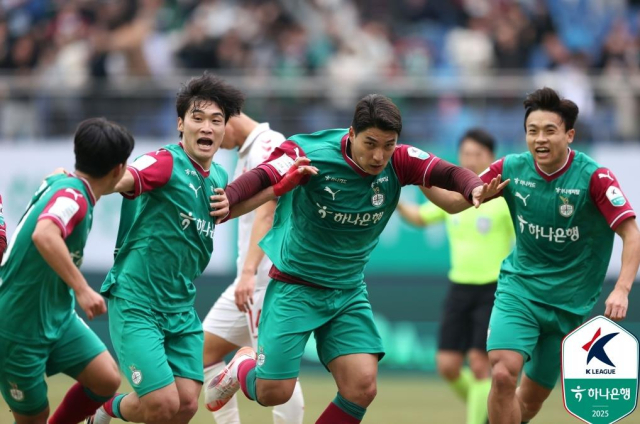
[[322, 236], [474, 272], [565, 209], [233, 320], [40, 282]]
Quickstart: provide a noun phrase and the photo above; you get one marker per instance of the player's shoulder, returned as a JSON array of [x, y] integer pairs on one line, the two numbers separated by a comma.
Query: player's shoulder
[[320, 140], [407, 150], [585, 163], [517, 159]]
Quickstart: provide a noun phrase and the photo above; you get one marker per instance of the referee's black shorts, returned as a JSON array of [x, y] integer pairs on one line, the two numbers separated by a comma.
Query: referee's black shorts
[[465, 318]]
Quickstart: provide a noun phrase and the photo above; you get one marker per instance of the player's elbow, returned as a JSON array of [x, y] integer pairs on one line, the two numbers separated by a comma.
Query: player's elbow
[[40, 238]]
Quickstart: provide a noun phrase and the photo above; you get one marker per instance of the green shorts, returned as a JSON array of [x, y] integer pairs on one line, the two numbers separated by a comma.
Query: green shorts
[[533, 329], [341, 320], [155, 347], [23, 366]]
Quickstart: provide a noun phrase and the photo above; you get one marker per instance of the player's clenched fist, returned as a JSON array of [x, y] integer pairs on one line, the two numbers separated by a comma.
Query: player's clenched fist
[[219, 205], [91, 302], [294, 176]]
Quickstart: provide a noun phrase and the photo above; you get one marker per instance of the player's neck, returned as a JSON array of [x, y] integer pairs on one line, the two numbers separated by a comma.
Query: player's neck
[[99, 186], [554, 167]]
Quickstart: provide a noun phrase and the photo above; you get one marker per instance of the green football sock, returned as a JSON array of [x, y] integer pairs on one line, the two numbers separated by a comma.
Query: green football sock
[[462, 384], [477, 401]]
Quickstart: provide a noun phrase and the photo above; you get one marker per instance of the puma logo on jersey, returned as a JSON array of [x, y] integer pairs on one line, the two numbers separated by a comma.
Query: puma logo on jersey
[[524, 199], [297, 152], [75, 193], [607, 175], [331, 192], [195, 190]]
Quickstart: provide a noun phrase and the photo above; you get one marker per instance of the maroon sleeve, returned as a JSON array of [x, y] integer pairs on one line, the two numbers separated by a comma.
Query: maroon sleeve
[[281, 159], [454, 178], [247, 185], [413, 166], [66, 208], [608, 196], [150, 171], [491, 172]]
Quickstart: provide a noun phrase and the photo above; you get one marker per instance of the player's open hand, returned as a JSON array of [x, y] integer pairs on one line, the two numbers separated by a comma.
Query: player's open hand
[[244, 291], [294, 176], [616, 305], [219, 205], [91, 302], [487, 191]]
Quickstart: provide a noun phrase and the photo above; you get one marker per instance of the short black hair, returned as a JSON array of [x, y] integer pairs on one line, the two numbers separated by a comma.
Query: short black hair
[[376, 111], [100, 145], [209, 88], [549, 100], [481, 137]]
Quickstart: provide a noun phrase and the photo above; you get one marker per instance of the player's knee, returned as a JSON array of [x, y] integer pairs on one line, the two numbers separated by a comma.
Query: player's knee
[[110, 381], [363, 391], [480, 369], [448, 371], [188, 409], [161, 409], [503, 380], [274, 394], [531, 407]]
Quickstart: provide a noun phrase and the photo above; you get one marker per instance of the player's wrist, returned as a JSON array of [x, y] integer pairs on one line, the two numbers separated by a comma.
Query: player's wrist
[[249, 271], [625, 288]]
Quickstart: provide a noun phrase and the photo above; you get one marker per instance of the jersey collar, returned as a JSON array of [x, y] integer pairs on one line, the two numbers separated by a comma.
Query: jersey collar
[[345, 143], [559, 172], [92, 197], [199, 168], [253, 136]]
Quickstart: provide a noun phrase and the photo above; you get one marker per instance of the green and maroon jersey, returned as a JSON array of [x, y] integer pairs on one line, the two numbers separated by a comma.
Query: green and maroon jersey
[[564, 225], [165, 238], [36, 303]]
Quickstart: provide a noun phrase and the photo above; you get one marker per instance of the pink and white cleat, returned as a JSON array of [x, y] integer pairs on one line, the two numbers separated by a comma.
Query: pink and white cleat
[[224, 385]]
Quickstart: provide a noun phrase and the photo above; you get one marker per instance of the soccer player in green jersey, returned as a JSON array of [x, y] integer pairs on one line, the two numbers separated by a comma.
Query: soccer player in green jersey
[[320, 242], [3, 232], [473, 275], [165, 241], [565, 209], [40, 332]]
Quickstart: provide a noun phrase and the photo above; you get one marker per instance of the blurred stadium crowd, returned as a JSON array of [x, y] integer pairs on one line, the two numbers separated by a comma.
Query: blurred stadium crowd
[[89, 45]]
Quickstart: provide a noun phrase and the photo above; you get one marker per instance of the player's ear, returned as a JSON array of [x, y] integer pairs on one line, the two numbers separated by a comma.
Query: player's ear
[[180, 124], [571, 134], [352, 134]]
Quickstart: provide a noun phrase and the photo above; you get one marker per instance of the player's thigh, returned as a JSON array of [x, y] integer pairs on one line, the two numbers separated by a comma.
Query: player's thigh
[[184, 343], [454, 333], [531, 392], [22, 369], [481, 315], [513, 325], [216, 348], [40, 418], [226, 321], [138, 341], [290, 313], [544, 367], [75, 350], [351, 329]]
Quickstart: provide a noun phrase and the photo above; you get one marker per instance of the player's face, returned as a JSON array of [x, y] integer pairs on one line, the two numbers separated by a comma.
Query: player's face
[[474, 156], [202, 131], [372, 148], [548, 140]]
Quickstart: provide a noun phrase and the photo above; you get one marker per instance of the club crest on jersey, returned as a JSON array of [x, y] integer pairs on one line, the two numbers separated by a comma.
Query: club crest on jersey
[[377, 199], [615, 196], [136, 375], [16, 394], [566, 208]]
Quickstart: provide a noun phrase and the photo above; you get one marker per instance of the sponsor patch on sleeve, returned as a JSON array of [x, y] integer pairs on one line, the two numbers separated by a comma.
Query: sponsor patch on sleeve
[[615, 196], [281, 164], [143, 162], [417, 153], [64, 208]]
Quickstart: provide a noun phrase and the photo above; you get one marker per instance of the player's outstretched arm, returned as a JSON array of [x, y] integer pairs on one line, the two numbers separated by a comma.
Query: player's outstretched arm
[[126, 183], [411, 213], [453, 202], [47, 237], [246, 284], [617, 303]]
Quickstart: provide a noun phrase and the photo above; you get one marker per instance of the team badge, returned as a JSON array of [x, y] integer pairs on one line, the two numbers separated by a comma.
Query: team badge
[[16, 394], [136, 375], [261, 357], [377, 199], [615, 196], [566, 208]]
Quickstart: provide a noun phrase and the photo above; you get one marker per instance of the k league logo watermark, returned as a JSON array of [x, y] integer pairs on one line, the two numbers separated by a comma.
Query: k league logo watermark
[[600, 372]]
